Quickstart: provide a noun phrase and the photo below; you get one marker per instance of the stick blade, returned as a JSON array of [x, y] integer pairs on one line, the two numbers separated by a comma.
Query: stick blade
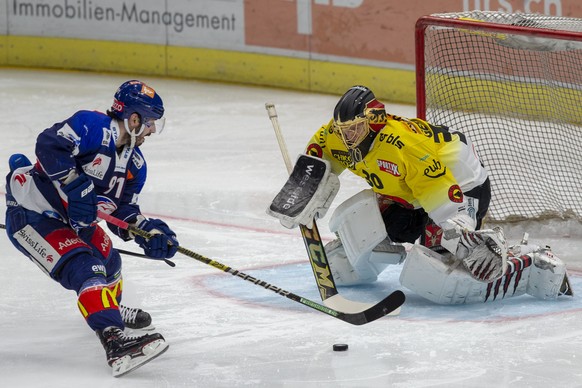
[[385, 307]]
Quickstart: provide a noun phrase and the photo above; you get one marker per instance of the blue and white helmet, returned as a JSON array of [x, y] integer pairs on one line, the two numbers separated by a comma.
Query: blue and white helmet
[[137, 97]]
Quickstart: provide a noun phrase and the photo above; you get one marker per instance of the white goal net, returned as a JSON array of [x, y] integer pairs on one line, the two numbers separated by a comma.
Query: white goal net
[[513, 83]]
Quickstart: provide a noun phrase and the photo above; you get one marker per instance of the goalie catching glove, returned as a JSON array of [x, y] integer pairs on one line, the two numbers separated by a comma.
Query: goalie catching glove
[[307, 194], [483, 252]]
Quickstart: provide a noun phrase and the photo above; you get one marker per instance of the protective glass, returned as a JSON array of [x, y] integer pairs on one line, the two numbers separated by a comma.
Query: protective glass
[[353, 132]]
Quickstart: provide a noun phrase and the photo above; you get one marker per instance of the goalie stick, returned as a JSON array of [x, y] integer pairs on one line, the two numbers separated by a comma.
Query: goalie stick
[[315, 249], [369, 314]]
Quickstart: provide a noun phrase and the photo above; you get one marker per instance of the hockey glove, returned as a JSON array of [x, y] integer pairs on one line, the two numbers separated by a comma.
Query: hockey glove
[[82, 201], [163, 244], [483, 252]]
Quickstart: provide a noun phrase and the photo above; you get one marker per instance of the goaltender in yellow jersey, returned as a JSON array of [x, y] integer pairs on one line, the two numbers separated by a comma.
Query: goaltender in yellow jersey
[[428, 188], [415, 167]]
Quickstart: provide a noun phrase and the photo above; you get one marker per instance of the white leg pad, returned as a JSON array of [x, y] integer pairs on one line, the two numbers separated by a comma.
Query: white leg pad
[[344, 274], [546, 275], [359, 225], [440, 279]]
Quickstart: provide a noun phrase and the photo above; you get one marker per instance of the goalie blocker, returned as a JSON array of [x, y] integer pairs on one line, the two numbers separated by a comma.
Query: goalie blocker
[[307, 194]]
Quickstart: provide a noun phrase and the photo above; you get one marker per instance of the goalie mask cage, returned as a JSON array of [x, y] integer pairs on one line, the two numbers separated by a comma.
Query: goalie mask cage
[[513, 83]]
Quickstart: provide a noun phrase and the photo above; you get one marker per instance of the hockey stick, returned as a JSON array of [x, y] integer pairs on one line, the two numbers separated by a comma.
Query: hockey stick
[[315, 249], [385, 307], [311, 237], [129, 253]]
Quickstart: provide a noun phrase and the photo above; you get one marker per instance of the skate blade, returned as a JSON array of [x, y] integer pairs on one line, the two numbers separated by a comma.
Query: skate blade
[[127, 363], [146, 329]]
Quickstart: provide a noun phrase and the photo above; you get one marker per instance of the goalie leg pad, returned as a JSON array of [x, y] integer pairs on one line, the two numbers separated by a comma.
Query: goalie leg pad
[[359, 225], [437, 278], [363, 250], [307, 194], [547, 276], [344, 273], [441, 279]]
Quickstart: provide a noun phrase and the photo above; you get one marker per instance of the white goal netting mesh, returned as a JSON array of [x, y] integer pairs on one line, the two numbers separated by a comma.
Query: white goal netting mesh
[[516, 90]]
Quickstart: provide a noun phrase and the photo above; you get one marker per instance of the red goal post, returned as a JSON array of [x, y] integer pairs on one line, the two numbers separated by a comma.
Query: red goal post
[[513, 83]]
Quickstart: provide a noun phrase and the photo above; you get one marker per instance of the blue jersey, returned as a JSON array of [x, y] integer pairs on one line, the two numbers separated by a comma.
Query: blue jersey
[[85, 142]]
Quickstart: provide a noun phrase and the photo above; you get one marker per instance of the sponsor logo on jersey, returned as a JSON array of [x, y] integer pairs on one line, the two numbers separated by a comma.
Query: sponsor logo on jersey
[[314, 150], [101, 241], [436, 170], [98, 167], [392, 139], [342, 156], [455, 194], [39, 249], [98, 269], [105, 204], [471, 207], [123, 159], [137, 160], [389, 167], [69, 242], [106, 137], [64, 240]]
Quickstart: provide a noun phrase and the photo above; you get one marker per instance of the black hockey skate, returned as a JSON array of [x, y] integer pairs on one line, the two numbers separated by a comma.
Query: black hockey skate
[[135, 318], [126, 353]]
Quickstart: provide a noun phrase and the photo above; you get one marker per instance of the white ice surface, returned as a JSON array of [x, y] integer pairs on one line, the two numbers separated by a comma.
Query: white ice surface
[[213, 171]]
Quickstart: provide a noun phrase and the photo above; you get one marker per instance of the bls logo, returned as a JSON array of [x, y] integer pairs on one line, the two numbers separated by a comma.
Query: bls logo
[[391, 139], [304, 18]]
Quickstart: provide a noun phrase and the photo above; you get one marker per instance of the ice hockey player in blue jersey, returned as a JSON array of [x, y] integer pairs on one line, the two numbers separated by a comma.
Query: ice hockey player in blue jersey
[[90, 163]]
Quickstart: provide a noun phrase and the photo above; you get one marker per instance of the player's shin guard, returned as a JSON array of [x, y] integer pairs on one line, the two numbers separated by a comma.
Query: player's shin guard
[[133, 318], [98, 305]]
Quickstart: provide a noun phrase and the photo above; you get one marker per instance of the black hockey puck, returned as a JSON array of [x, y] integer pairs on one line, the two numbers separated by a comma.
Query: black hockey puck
[[340, 347]]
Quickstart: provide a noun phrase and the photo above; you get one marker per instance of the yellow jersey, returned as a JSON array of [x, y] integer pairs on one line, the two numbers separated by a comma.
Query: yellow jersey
[[411, 162]]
